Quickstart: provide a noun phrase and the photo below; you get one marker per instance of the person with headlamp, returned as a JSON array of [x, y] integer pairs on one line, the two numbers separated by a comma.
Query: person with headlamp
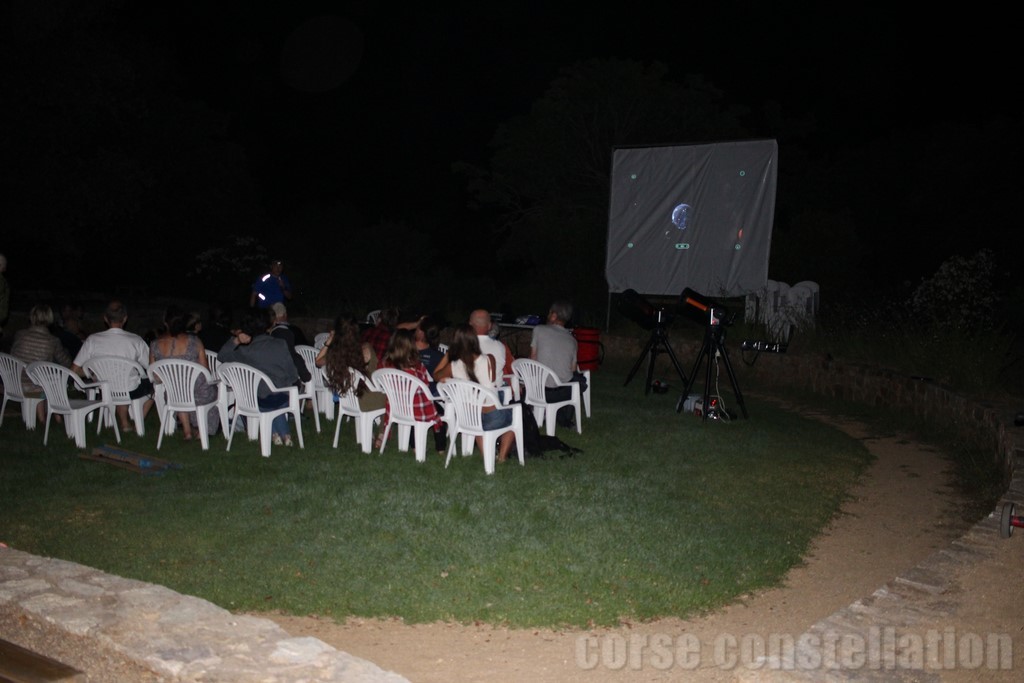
[[271, 287]]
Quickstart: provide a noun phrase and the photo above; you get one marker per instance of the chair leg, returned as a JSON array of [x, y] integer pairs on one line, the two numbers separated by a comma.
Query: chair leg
[[204, 429], [298, 428], [420, 435], [160, 438], [314, 404], [337, 432], [488, 453], [265, 428]]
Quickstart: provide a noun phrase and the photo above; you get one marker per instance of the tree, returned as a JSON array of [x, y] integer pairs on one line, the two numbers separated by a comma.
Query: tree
[[548, 179]]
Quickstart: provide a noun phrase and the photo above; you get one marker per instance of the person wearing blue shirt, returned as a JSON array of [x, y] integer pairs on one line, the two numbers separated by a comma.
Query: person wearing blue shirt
[[271, 287]]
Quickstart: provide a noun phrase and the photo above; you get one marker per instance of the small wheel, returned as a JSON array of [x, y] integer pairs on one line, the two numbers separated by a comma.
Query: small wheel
[[1006, 521]]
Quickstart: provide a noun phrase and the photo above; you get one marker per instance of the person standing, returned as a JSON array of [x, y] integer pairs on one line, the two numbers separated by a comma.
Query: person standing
[[270, 288], [117, 341], [5, 295], [553, 345]]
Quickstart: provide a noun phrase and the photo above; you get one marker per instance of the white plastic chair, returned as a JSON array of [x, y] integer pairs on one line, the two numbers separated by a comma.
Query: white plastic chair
[[55, 380], [373, 317], [467, 400], [400, 388], [815, 297], [11, 370], [177, 378], [122, 375], [348, 406], [245, 381], [321, 397], [534, 377], [225, 399]]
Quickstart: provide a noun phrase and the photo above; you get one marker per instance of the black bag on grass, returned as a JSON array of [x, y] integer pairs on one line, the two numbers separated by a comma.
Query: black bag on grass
[[537, 445]]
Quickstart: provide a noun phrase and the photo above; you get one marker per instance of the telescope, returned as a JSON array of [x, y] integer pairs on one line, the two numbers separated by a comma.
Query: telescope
[[641, 311], [703, 310]]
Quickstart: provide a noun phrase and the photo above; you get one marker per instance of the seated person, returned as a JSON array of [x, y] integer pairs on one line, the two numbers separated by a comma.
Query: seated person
[[174, 341], [553, 345], [37, 343], [428, 340], [282, 329], [343, 350], [470, 363], [402, 354], [480, 320], [253, 346], [216, 330], [117, 341], [379, 335]]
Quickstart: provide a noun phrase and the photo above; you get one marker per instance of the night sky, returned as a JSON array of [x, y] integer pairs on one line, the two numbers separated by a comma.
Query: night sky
[[371, 103]]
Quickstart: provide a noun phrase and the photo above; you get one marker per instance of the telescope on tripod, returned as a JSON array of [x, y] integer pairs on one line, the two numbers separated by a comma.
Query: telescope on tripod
[[715, 318], [642, 312]]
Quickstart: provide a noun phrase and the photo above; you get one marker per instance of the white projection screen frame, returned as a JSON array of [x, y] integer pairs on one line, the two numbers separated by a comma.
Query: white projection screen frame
[[697, 216]]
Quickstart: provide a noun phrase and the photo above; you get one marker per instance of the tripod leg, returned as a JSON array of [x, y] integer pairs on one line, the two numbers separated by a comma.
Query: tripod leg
[[735, 384], [707, 382], [693, 376], [675, 362], [648, 350], [650, 371]]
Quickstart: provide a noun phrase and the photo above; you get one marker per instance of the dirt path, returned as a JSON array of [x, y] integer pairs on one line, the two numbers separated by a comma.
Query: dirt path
[[902, 510]]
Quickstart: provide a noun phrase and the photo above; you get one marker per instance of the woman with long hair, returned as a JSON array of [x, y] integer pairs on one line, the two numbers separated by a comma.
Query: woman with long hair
[[470, 363], [343, 350]]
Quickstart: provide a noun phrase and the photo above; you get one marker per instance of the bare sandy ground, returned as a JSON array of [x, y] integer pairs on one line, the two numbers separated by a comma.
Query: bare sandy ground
[[901, 511]]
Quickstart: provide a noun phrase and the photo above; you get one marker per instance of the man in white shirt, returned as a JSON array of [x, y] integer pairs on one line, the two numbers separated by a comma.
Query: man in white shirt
[[117, 341], [480, 321]]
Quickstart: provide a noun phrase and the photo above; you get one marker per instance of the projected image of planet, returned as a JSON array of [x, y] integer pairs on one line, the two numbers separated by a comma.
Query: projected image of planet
[[680, 216]]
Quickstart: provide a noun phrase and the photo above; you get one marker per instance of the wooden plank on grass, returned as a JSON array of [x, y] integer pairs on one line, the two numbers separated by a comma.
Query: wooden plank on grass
[[123, 464], [140, 459]]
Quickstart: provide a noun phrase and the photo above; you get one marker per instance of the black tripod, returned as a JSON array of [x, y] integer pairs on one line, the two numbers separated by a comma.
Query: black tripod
[[658, 343], [714, 343]]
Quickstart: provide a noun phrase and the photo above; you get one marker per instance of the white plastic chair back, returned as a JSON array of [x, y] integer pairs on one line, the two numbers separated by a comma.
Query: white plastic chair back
[[400, 388], [123, 375], [467, 401], [245, 381], [213, 360], [225, 399], [11, 370], [815, 300], [55, 380], [177, 378], [314, 390], [348, 406], [534, 377], [373, 317]]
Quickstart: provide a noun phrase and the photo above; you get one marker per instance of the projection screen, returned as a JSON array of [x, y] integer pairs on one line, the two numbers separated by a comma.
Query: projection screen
[[697, 216]]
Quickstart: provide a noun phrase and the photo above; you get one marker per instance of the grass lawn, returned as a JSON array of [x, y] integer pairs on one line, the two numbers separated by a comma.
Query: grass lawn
[[661, 515]]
